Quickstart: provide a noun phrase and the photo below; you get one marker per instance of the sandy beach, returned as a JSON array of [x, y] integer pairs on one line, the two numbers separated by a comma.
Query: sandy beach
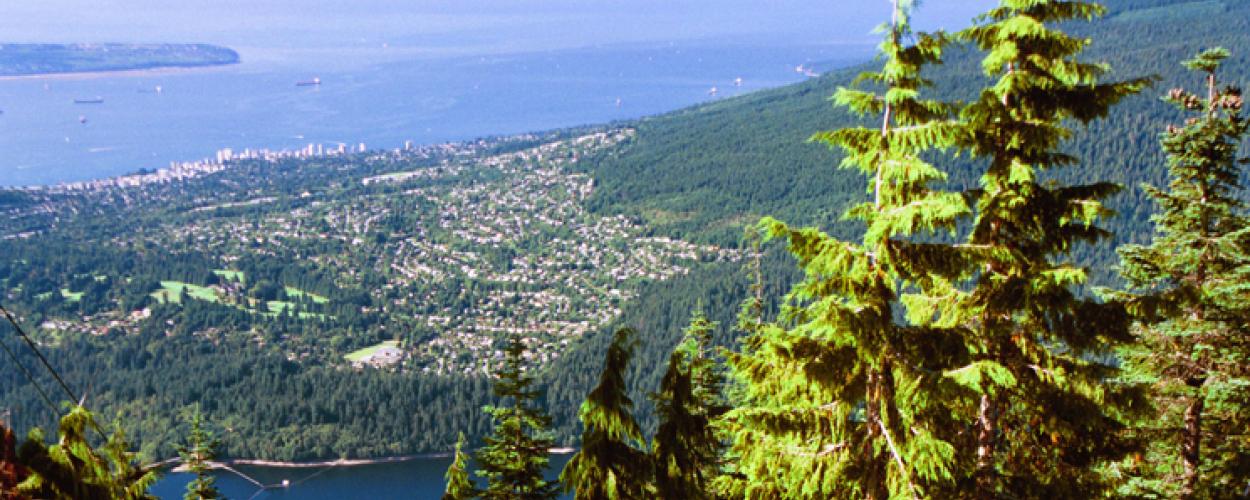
[[341, 462], [143, 72]]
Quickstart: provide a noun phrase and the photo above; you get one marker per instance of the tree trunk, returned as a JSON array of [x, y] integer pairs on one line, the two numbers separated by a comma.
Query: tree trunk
[[875, 476], [1191, 446], [987, 423]]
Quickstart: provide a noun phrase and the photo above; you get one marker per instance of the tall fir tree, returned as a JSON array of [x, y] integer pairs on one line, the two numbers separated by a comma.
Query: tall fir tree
[[836, 399], [197, 453], [515, 456], [1043, 419], [459, 486], [1191, 286], [612, 463], [686, 449]]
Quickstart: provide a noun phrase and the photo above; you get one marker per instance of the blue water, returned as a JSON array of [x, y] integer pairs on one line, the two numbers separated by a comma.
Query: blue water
[[366, 96], [416, 479], [415, 70]]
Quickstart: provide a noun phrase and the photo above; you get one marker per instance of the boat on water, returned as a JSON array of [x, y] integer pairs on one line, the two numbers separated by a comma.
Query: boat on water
[[89, 100], [309, 83]]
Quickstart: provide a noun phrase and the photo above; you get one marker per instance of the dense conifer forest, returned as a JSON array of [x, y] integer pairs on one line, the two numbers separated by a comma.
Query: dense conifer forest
[[999, 263]]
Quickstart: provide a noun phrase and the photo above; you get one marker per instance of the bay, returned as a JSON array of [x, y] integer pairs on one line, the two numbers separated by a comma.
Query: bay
[[420, 478], [370, 96]]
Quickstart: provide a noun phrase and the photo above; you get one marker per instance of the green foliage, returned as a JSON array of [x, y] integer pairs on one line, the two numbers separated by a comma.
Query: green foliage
[[611, 463], [515, 456], [1189, 287], [197, 455], [699, 173], [1042, 420], [12, 472], [837, 399], [459, 486], [686, 450], [73, 469]]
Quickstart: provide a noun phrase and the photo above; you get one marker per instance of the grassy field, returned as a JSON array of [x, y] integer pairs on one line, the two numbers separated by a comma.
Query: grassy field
[[360, 355], [171, 291], [71, 296], [317, 299], [230, 275]]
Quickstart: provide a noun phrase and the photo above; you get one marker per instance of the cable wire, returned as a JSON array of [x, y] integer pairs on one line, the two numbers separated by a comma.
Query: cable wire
[[69, 392], [31, 343], [31, 378]]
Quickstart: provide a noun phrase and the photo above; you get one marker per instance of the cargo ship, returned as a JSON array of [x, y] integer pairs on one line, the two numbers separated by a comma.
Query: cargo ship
[[96, 100], [309, 83]]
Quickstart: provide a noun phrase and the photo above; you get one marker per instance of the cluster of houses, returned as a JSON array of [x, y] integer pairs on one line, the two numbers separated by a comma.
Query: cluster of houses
[[564, 272], [571, 270]]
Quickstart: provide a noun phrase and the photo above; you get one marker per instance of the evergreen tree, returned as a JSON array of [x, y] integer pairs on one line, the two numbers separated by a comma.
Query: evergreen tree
[[11, 471], [611, 464], [200, 449], [515, 456], [72, 470], [459, 486], [686, 449], [1191, 289], [837, 399], [1043, 420]]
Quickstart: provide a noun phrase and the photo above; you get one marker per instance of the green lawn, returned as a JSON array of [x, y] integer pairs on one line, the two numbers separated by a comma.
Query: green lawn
[[171, 291], [230, 275], [295, 292], [276, 306], [71, 296], [361, 354]]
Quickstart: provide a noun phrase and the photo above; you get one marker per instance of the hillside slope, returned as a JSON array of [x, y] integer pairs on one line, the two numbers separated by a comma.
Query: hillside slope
[[705, 172]]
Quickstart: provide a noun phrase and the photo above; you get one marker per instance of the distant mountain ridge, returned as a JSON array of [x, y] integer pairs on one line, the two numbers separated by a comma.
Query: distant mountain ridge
[[18, 59]]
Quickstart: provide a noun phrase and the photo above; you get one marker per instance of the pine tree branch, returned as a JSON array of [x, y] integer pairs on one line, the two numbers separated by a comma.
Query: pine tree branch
[[898, 458]]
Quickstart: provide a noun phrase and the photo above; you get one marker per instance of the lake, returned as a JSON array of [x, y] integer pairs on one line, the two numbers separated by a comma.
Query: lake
[[366, 96], [421, 479]]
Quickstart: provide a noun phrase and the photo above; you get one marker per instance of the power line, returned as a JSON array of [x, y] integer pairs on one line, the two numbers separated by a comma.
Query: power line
[[31, 343], [73, 399], [31, 379]]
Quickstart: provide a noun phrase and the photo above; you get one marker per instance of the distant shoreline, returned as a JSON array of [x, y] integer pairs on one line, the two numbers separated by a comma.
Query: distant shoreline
[[341, 462], [87, 75]]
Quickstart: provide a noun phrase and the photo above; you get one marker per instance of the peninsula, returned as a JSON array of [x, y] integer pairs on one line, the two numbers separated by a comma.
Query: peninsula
[[21, 59]]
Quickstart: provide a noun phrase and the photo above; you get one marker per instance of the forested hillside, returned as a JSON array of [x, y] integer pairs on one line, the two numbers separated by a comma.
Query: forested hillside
[[706, 172], [254, 313]]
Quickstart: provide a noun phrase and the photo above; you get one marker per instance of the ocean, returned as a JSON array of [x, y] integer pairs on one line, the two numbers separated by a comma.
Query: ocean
[[419, 70], [149, 119]]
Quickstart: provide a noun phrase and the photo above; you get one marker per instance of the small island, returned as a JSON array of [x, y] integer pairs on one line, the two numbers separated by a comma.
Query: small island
[[20, 59]]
